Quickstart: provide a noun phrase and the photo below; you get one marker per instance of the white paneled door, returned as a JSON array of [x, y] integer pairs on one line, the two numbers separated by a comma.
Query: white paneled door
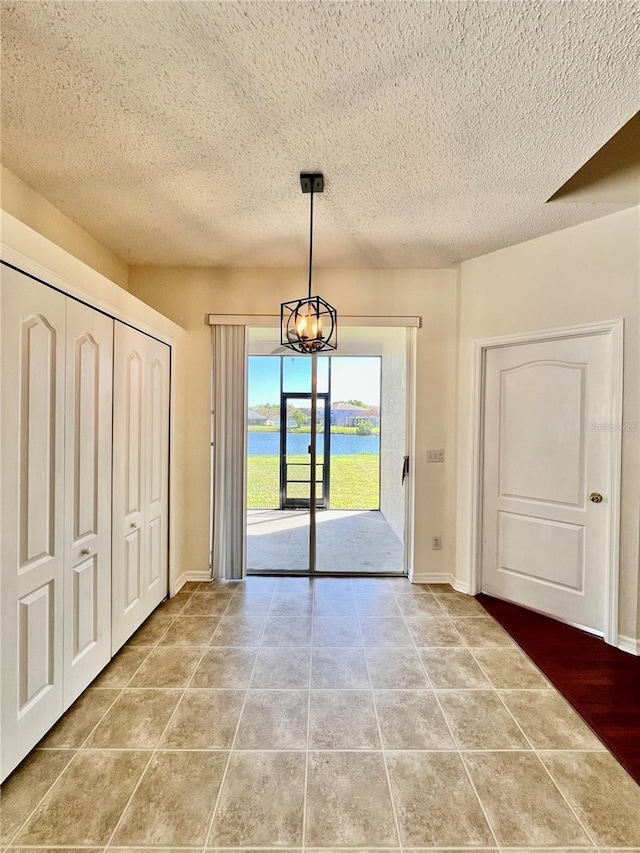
[[156, 459], [547, 453], [140, 479], [128, 499], [32, 580], [87, 586]]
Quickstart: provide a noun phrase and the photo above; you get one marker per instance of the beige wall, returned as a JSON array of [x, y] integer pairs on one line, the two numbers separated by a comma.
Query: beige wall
[[26, 205], [186, 295], [580, 275]]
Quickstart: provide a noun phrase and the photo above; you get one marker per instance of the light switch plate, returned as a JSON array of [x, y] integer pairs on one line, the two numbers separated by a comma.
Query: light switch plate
[[435, 455]]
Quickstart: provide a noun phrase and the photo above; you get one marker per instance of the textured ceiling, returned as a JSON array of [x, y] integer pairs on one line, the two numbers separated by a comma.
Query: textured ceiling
[[174, 132]]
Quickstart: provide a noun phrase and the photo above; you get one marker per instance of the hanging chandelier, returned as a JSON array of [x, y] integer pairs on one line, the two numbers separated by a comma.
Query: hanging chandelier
[[309, 325]]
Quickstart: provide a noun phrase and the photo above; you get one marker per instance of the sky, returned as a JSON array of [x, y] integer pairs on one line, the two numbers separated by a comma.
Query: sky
[[352, 378]]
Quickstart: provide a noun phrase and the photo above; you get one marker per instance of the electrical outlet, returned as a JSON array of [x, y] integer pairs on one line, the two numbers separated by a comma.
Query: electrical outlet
[[436, 543], [435, 455]]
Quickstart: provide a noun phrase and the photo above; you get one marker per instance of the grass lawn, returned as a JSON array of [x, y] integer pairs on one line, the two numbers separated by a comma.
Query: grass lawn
[[355, 481]]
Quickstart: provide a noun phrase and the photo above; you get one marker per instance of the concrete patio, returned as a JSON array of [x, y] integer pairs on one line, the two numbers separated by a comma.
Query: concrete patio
[[347, 541]]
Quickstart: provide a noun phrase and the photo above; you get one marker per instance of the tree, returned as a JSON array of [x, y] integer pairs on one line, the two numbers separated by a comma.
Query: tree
[[357, 403], [271, 411], [297, 415], [364, 428]]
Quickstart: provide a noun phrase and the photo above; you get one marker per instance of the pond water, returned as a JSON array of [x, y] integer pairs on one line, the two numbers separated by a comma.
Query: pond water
[[268, 444]]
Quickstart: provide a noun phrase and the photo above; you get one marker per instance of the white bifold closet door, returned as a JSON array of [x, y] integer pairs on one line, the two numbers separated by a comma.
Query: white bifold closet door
[[87, 587], [140, 479], [33, 380], [55, 585]]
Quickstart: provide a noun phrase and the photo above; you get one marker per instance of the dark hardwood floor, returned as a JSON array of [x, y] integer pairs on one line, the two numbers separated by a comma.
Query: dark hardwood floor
[[601, 682]]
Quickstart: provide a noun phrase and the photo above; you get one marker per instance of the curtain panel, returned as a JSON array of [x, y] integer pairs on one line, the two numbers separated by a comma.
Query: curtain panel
[[228, 448]]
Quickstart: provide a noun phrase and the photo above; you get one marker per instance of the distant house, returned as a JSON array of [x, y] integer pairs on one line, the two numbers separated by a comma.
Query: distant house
[[255, 418], [273, 421], [371, 416], [343, 413]]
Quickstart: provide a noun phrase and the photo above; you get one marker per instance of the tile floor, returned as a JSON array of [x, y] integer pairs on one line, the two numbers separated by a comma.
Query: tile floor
[[346, 541], [293, 714]]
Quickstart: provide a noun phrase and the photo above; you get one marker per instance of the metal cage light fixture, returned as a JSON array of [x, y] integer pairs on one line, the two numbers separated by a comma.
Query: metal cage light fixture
[[309, 325]]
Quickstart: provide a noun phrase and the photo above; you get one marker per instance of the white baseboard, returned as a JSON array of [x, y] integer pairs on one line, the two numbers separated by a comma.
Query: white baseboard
[[429, 577], [201, 577], [434, 577], [628, 644], [425, 577]]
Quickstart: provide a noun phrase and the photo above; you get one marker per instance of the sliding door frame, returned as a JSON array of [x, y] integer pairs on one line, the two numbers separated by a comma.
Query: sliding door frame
[[410, 444]]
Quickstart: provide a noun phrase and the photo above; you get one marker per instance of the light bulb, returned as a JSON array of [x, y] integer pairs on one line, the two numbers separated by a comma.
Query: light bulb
[[302, 326]]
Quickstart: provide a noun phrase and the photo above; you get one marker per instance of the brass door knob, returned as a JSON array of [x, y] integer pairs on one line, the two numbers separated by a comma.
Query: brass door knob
[[595, 497]]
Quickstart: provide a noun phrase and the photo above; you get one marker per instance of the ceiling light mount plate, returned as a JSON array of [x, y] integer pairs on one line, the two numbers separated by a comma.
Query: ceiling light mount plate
[[312, 181]]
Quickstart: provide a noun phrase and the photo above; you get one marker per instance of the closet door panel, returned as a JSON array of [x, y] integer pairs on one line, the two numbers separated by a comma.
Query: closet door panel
[[157, 471], [32, 532], [140, 479], [129, 551], [87, 583]]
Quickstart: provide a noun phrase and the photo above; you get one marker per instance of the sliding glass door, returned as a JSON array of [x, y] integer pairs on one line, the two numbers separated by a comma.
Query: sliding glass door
[[357, 413]]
